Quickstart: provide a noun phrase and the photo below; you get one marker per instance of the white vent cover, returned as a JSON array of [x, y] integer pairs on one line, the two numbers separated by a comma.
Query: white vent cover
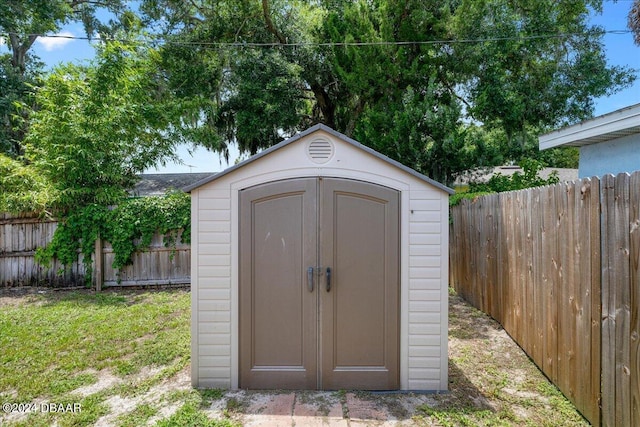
[[320, 150]]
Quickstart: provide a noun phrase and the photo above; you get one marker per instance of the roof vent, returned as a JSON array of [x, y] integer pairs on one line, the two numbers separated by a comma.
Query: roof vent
[[320, 150]]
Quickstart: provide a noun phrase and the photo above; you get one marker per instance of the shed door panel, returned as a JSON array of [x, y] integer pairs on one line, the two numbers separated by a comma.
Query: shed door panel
[[342, 337], [359, 314], [278, 314]]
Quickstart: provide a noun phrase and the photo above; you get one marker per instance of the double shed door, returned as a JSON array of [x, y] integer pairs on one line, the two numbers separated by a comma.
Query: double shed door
[[319, 285]]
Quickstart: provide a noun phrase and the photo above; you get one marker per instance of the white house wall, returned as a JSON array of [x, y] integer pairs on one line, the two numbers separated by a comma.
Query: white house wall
[[424, 261], [614, 156]]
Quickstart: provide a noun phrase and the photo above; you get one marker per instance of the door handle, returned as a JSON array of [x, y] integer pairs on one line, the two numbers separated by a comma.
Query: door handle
[[310, 279], [328, 279]]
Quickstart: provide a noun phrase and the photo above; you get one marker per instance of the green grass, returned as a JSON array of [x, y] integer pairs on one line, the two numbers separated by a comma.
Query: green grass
[[52, 344]]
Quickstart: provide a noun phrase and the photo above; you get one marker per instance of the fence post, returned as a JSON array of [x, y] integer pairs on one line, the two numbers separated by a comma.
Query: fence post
[[98, 259]]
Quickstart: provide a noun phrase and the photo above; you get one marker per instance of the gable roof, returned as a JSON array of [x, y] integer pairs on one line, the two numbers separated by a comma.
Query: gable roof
[[619, 123], [157, 184], [338, 135]]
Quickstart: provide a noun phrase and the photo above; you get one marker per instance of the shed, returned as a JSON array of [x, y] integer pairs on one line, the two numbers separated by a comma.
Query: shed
[[609, 144], [319, 264]]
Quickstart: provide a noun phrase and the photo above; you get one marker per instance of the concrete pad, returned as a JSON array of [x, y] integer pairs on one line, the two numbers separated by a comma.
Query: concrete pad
[[365, 410], [268, 421], [371, 423], [335, 411], [275, 404], [318, 409], [335, 422]]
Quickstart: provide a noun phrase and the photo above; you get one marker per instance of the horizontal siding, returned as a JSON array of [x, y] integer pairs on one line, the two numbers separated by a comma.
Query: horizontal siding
[[425, 362], [424, 374], [424, 295], [424, 384], [214, 288], [425, 291], [424, 351], [423, 345], [215, 350]]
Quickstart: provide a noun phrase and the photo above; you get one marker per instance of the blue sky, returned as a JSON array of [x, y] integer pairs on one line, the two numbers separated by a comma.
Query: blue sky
[[620, 51]]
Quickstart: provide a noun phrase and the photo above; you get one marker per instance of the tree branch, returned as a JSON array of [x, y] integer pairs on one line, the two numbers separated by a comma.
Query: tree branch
[[267, 19]]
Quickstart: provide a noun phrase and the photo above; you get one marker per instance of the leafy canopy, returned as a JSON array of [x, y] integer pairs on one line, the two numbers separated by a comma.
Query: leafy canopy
[[405, 77], [100, 125], [22, 22]]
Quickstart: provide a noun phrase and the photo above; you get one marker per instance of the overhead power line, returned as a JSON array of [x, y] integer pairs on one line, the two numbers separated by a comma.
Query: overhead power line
[[243, 44]]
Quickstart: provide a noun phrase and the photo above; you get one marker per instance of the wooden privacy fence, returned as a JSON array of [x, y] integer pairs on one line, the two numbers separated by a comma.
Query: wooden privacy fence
[[21, 235], [558, 267]]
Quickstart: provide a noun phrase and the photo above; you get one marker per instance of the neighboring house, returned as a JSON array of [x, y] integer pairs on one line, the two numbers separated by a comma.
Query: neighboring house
[[609, 144], [484, 174], [157, 184]]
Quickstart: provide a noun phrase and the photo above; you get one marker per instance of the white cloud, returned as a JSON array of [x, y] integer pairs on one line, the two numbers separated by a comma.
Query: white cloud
[[53, 43]]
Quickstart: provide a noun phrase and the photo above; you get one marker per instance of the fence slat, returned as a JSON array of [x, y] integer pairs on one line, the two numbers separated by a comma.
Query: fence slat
[[21, 235], [622, 301], [566, 284], [634, 279], [593, 398]]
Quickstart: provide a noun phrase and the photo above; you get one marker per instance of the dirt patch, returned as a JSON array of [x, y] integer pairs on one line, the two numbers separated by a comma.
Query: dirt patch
[[121, 405], [105, 380]]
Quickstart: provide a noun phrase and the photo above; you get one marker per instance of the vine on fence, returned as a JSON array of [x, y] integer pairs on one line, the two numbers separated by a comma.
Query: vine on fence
[[129, 227]]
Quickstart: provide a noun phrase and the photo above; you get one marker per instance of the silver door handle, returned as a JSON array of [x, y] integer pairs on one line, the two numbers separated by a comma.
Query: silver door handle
[[310, 279], [328, 279]]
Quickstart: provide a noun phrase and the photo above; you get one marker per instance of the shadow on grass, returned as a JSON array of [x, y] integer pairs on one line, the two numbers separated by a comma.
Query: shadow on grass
[[467, 322], [463, 405]]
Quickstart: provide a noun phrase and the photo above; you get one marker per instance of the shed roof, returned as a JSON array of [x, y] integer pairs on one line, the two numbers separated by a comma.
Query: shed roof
[[619, 123], [157, 184], [338, 135]]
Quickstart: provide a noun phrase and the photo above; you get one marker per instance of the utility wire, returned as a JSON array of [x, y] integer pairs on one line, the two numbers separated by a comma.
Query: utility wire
[[320, 44]]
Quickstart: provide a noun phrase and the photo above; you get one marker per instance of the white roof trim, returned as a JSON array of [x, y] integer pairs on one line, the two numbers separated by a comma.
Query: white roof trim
[[617, 124], [335, 134]]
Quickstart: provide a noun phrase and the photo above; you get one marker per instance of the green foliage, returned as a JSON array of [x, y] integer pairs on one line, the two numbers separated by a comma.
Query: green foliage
[[98, 126], [499, 182], [21, 23], [412, 101], [519, 80], [22, 188], [16, 101], [132, 224], [456, 198], [517, 181], [633, 21], [129, 227]]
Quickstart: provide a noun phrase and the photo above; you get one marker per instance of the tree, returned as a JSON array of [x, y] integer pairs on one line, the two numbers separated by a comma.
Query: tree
[[634, 21], [405, 77], [100, 125], [21, 23], [540, 63], [16, 100]]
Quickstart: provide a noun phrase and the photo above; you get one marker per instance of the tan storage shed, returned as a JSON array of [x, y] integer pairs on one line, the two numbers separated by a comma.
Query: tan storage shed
[[319, 264]]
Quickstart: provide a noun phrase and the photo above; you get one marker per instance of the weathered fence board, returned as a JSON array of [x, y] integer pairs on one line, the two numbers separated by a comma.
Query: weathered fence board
[[22, 235], [568, 279], [634, 279], [568, 284]]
